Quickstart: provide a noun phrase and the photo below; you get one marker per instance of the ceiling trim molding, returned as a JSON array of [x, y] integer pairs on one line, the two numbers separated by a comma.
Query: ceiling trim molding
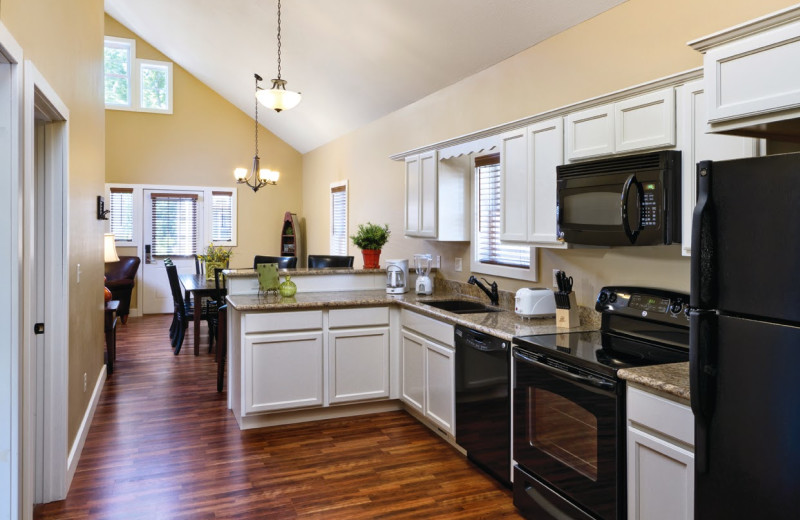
[[642, 88]]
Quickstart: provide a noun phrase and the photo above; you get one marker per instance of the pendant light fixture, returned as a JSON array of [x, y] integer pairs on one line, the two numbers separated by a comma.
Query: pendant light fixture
[[278, 98], [258, 177]]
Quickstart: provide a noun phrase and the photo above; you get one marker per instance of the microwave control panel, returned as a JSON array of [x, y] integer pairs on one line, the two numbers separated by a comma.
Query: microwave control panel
[[649, 205]]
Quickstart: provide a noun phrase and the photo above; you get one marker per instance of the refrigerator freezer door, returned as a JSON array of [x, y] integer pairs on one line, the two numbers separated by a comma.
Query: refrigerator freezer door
[[754, 237], [753, 453]]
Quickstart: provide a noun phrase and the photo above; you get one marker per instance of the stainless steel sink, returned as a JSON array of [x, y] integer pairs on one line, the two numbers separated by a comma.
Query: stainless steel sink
[[462, 306]]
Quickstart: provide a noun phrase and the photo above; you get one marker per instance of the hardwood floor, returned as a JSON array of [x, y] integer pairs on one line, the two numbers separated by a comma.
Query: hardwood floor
[[163, 446]]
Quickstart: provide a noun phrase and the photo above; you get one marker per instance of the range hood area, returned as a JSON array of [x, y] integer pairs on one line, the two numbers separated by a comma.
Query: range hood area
[[751, 77]]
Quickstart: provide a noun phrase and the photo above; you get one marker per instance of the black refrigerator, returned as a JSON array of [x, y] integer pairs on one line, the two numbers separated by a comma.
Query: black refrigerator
[[745, 338]]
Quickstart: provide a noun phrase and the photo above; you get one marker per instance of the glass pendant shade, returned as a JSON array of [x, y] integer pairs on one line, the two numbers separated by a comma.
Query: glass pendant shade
[[278, 98]]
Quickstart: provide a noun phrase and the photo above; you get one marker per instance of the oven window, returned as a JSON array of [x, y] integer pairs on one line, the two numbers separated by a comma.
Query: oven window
[[563, 430], [599, 208]]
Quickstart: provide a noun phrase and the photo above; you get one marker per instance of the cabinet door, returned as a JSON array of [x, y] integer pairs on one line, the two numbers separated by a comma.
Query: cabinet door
[[660, 478], [514, 185], [590, 132], [545, 153], [358, 364], [429, 184], [646, 121], [285, 371], [699, 146], [412, 368], [413, 191], [440, 386]]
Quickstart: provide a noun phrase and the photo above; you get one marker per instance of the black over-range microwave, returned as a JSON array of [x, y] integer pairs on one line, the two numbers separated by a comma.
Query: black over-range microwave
[[624, 201]]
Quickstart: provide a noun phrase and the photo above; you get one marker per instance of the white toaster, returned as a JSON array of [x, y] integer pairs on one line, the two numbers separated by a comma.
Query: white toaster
[[535, 303]]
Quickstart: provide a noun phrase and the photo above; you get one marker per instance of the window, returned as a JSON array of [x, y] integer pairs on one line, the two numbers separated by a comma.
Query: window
[[222, 217], [174, 221], [119, 57], [490, 254], [339, 218], [155, 86], [131, 84], [121, 216]]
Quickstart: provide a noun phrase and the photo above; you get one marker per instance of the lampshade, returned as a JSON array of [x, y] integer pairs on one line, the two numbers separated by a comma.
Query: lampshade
[[109, 248], [278, 98]]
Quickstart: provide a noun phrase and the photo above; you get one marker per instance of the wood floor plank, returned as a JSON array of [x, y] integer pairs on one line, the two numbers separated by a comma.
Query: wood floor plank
[[163, 445]]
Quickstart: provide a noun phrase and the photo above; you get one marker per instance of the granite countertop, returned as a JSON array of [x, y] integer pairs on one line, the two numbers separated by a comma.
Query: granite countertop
[[302, 271], [672, 378], [504, 324]]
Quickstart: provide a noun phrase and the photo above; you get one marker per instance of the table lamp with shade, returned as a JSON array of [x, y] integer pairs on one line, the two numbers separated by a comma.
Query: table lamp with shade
[[109, 255]]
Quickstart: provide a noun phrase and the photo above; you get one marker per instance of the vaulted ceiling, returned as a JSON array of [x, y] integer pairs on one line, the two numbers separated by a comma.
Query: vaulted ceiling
[[354, 61]]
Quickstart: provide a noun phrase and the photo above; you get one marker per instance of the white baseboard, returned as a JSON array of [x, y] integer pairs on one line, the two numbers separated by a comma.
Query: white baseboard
[[83, 431]]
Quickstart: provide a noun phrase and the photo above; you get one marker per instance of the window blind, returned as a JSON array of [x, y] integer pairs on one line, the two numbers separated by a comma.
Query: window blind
[[221, 216], [174, 229], [339, 220], [490, 249], [121, 207]]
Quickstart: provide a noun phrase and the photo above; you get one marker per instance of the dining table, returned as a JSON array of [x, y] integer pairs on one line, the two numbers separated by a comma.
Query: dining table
[[199, 288]]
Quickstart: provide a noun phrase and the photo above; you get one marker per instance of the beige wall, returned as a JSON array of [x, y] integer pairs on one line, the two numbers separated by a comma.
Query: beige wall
[[200, 144], [638, 41], [64, 41]]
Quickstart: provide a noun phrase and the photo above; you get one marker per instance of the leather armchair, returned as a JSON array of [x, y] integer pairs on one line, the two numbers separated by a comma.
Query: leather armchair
[[120, 279]]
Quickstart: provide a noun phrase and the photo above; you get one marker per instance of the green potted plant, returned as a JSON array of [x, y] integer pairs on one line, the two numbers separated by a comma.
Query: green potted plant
[[370, 238], [215, 257]]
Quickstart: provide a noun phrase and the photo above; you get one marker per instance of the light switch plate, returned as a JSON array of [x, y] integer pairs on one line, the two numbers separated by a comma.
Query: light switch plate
[[458, 266], [555, 283]]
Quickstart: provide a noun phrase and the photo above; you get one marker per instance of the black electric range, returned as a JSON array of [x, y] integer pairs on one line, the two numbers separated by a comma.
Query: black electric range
[[569, 405]]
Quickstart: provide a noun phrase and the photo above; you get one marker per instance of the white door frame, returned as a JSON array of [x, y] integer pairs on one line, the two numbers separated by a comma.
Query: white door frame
[[13, 492], [40, 101]]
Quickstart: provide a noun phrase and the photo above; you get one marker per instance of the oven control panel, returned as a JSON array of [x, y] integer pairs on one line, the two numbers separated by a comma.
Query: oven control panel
[[640, 302]]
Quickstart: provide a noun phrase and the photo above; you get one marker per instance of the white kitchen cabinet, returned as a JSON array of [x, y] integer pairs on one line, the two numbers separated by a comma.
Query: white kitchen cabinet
[[590, 132], [428, 369], [358, 364], [645, 122], [514, 185], [440, 385], [284, 371], [545, 153], [412, 371], [642, 122], [528, 160], [697, 145], [751, 78], [421, 195], [660, 453]]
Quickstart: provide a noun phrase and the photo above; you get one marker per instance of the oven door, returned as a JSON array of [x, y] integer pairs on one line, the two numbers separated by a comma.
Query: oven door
[[618, 209], [566, 432]]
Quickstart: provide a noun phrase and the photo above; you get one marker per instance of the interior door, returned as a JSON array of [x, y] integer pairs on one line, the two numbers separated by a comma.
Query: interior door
[[172, 228]]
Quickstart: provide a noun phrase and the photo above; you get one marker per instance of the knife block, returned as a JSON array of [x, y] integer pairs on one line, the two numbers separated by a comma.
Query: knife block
[[568, 318]]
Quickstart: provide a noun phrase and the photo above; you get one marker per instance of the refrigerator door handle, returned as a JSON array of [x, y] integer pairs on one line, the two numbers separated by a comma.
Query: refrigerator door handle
[[702, 378], [703, 260]]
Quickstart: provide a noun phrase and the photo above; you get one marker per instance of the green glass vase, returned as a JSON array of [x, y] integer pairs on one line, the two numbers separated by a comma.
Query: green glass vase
[[287, 288]]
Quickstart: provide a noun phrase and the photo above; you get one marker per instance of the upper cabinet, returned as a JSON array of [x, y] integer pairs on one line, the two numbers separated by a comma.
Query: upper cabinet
[[437, 197], [528, 160], [421, 195], [641, 122], [752, 81], [697, 145]]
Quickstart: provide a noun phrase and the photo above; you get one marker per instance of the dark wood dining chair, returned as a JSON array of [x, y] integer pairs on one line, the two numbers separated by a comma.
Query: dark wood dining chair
[[318, 261], [183, 309], [284, 262], [213, 305]]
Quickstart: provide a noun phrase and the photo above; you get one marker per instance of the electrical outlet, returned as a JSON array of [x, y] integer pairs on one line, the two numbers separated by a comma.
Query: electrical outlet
[[78, 274], [458, 265], [85, 382], [555, 282], [437, 262]]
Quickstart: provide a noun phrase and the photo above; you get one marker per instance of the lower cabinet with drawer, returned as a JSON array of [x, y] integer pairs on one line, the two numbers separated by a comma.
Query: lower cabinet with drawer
[[300, 360], [660, 457], [427, 379]]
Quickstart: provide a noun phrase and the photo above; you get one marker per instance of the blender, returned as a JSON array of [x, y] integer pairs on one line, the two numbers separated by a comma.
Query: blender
[[422, 263]]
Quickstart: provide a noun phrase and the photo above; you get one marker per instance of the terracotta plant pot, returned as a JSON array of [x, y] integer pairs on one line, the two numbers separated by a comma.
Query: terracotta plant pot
[[371, 258]]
